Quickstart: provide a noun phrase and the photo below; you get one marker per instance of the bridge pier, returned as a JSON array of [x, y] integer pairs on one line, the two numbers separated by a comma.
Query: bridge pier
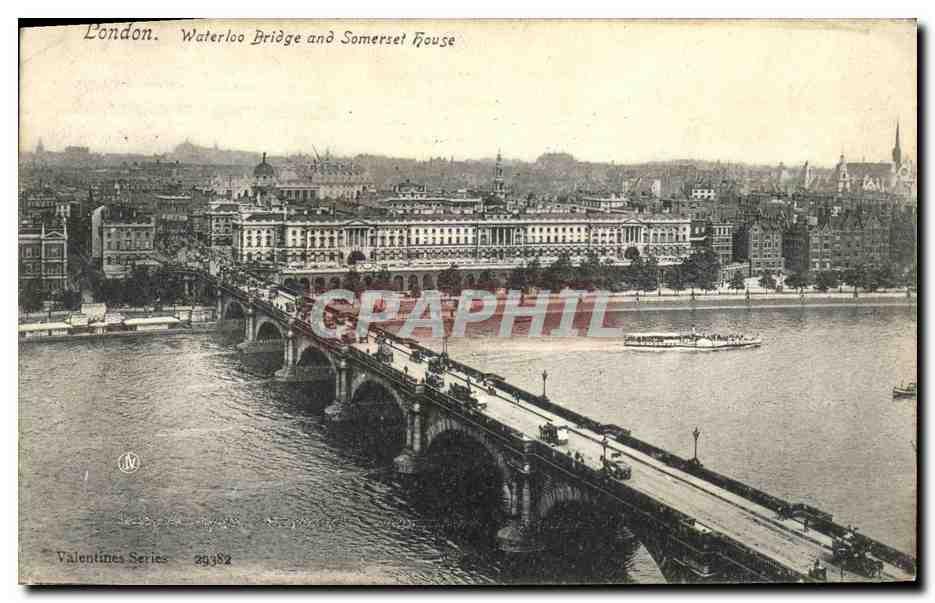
[[287, 372], [409, 461], [259, 347], [249, 323], [518, 536], [340, 411]]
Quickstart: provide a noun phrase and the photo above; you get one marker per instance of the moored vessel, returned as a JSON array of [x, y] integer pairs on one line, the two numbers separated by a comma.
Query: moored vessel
[[905, 391], [690, 341]]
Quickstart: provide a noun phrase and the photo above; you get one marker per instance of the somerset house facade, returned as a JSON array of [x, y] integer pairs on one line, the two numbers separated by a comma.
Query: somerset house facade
[[313, 245]]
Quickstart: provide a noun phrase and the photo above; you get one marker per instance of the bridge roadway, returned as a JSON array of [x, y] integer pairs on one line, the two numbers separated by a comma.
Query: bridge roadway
[[784, 540]]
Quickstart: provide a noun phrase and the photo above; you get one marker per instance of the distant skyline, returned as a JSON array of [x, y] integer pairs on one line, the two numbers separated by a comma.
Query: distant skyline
[[488, 157], [628, 92]]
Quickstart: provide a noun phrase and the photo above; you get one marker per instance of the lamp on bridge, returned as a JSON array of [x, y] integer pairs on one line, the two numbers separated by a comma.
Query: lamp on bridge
[[696, 432], [545, 377]]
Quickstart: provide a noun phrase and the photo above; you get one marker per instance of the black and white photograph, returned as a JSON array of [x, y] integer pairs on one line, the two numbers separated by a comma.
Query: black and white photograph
[[429, 302]]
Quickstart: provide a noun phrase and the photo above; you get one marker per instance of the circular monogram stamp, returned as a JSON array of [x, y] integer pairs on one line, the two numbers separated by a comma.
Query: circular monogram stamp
[[129, 462]]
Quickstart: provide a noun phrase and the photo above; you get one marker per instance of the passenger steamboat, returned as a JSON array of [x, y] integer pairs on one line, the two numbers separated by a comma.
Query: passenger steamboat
[[702, 342], [905, 391]]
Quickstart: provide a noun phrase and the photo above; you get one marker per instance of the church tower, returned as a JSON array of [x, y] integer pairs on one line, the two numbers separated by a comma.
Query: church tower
[[897, 152], [499, 188]]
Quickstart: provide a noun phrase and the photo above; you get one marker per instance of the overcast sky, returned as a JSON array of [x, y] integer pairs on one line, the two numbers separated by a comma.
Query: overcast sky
[[760, 92]]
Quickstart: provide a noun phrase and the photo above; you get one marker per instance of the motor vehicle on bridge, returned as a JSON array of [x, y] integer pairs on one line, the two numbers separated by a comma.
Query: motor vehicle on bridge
[[551, 433], [463, 393], [434, 380], [818, 571], [384, 353], [438, 364], [616, 469]]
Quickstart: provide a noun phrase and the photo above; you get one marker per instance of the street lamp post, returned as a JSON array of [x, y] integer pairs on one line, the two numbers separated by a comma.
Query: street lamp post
[[696, 432], [545, 377]]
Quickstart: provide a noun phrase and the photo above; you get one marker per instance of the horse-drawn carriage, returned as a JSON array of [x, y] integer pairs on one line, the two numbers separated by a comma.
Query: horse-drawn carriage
[[463, 394], [384, 352], [852, 552]]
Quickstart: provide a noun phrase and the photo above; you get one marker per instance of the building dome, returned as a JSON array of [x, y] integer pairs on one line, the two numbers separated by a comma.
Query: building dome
[[263, 170]]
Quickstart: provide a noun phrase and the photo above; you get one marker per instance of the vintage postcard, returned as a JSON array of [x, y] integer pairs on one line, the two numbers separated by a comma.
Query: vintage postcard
[[468, 302]]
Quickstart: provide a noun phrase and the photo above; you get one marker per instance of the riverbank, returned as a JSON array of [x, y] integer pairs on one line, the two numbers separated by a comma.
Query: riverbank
[[204, 327], [630, 302], [761, 301], [129, 312]]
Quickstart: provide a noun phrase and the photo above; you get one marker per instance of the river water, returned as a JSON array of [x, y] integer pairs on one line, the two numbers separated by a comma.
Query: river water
[[235, 464]]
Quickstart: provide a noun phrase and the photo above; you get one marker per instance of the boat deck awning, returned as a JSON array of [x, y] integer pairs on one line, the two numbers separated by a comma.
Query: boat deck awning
[[152, 320], [664, 335]]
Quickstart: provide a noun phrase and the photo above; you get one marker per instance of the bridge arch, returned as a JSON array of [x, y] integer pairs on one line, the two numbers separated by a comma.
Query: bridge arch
[[447, 425], [267, 328], [310, 354], [558, 494], [445, 435], [577, 525], [374, 382], [379, 413], [233, 309]]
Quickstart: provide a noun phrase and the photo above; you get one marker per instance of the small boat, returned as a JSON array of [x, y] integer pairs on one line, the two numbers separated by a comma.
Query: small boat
[[905, 391], [702, 342]]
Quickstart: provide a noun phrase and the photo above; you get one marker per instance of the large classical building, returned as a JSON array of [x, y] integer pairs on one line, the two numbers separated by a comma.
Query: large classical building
[[415, 233], [308, 243], [43, 254]]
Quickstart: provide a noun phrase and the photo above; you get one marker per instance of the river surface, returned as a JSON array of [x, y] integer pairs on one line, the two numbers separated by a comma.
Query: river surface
[[235, 464]]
